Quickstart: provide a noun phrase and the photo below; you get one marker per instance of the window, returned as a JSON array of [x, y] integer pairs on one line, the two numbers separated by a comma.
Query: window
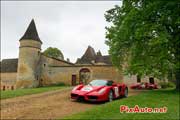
[[138, 78], [12, 87], [98, 83], [151, 80], [4, 87]]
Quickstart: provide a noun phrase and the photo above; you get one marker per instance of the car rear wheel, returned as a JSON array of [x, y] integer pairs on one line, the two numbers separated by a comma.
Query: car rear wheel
[[126, 92], [110, 96]]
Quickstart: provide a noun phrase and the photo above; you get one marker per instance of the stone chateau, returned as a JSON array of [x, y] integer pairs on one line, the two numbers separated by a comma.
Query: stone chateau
[[34, 69]]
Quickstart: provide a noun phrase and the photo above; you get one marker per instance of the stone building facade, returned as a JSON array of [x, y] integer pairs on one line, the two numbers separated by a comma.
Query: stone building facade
[[34, 69]]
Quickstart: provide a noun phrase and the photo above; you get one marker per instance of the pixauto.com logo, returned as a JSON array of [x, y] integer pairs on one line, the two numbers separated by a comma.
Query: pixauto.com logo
[[137, 109]]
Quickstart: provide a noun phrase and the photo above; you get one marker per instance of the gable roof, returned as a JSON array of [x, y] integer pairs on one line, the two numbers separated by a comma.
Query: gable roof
[[9, 65], [68, 62], [31, 33], [90, 57]]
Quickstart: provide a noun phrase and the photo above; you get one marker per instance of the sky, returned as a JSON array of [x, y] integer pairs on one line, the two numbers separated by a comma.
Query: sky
[[67, 25]]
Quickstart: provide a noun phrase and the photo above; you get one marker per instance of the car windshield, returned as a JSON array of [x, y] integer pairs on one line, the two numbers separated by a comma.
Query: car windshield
[[98, 83]]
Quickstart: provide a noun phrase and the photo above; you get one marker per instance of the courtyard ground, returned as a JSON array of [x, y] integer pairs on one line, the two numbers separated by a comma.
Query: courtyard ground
[[154, 99], [49, 105]]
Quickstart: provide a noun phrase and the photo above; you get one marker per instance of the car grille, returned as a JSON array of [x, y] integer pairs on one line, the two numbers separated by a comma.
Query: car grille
[[92, 97], [81, 98], [74, 95]]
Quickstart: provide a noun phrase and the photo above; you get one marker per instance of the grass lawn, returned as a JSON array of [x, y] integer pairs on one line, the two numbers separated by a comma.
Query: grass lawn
[[154, 98], [29, 91]]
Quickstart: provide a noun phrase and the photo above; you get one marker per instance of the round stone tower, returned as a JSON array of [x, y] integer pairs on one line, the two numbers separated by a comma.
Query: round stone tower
[[29, 58]]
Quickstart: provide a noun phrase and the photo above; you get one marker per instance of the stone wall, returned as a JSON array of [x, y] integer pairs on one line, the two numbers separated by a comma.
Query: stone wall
[[106, 72], [129, 80], [54, 75], [8, 80], [46, 70], [57, 74]]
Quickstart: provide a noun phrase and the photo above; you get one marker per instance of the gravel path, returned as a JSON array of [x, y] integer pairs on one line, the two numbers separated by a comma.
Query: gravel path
[[49, 105]]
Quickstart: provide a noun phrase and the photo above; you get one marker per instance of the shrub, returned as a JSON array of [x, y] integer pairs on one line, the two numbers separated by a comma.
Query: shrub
[[167, 85], [59, 84]]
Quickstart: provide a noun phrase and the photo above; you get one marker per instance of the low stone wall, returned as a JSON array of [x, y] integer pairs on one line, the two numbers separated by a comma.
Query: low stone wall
[[53, 75], [129, 80], [8, 81]]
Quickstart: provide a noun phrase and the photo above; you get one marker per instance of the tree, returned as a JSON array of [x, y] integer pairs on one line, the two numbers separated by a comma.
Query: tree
[[54, 52], [145, 35]]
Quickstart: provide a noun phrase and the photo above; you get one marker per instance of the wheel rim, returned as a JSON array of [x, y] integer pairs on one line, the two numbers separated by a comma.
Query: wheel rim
[[126, 92], [110, 96]]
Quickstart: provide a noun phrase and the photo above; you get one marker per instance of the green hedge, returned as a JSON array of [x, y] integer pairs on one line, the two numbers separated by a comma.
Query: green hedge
[[167, 85]]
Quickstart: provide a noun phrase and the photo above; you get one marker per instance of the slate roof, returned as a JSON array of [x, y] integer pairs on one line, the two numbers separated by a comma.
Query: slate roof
[[90, 56], [68, 62], [99, 53], [90, 53], [31, 32], [103, 59], [9, 65]]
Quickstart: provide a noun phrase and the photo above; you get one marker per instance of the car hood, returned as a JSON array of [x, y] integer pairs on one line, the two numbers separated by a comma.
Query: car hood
[[88, 88]]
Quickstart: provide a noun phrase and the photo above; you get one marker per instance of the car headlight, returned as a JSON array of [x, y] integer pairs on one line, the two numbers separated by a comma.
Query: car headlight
[[74, 88], [101, 91]]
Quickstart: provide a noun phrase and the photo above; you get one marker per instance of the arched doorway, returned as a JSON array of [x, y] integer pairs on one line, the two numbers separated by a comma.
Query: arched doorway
[[84, 75]]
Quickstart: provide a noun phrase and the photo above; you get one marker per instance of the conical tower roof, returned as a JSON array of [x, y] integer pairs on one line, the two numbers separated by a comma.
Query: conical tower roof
[[89, 54], [31, 33]]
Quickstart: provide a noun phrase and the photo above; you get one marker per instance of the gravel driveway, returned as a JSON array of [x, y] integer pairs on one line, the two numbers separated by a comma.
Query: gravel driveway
[[49, 105]]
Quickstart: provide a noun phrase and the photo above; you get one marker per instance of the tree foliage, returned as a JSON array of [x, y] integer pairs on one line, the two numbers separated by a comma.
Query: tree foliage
[[145, 34], [54, 52]]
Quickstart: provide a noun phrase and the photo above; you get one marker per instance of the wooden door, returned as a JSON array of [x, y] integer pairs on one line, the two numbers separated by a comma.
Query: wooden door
[[73, 82]]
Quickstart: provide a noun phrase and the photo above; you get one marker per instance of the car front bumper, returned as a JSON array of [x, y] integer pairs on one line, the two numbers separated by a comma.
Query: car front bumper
[[89, 97]]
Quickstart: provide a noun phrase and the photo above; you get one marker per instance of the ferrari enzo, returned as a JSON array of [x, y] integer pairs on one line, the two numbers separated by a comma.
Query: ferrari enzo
[[144, 86], [99, 90]]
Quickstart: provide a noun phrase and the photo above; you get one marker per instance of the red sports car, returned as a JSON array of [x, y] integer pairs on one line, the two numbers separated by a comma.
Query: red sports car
[[99, 90], [144, 86]]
